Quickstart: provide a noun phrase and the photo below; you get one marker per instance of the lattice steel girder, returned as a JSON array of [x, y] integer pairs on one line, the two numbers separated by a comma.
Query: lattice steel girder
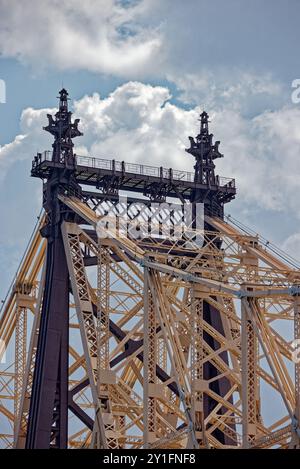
[[143, 321], [86, 320], [249, 377]]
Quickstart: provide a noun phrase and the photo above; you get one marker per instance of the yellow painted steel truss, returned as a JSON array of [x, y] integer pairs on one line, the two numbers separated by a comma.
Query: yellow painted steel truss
[[155, 292]]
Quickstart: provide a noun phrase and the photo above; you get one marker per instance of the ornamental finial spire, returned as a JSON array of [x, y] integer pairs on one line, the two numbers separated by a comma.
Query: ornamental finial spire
[[63, 130], [205, 152], [63, 100]]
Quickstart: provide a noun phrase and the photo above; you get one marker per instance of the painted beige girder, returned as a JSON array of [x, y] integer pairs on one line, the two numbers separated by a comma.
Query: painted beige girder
[[156, 294]]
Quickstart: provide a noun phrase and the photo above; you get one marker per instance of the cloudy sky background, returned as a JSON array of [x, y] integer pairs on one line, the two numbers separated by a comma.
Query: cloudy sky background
[[138, 73]]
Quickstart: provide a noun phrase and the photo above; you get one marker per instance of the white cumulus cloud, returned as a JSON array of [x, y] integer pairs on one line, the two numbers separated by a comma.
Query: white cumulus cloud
[[105, 36], [237, 89], [26, 144]]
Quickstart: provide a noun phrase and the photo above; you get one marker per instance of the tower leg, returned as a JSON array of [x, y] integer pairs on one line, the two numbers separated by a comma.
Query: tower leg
[[48, 414]]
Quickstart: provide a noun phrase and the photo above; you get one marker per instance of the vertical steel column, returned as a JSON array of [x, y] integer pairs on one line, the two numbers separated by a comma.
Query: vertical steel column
[[87, 323], [150, 360], [20, 359], [198, 385], [162, 359], [103, 286], [22, 420], [296, 435], [106, 377], [249, 376]]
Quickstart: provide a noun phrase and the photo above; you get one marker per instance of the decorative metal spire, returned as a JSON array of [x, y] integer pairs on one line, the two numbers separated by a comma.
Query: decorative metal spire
[[205, 152], [63, 130]]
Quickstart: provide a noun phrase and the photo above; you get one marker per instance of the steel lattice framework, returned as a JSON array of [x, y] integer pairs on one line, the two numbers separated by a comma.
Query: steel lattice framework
[[149, 342]]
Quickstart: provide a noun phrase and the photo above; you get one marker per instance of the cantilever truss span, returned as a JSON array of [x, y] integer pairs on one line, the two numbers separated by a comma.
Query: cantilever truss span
[[140, 339]]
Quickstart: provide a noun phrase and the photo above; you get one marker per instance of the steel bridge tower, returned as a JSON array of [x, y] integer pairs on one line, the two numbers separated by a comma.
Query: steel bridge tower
[[133, 323]]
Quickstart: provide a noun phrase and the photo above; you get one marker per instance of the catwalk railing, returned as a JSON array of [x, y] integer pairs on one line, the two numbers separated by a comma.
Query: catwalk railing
[[132, 168]]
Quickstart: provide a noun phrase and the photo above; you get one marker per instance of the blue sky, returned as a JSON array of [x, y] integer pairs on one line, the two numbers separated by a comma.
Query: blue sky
[[138, 73]]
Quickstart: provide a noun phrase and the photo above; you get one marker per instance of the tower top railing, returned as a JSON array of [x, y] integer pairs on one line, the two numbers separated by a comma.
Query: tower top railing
[[133, 168]]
